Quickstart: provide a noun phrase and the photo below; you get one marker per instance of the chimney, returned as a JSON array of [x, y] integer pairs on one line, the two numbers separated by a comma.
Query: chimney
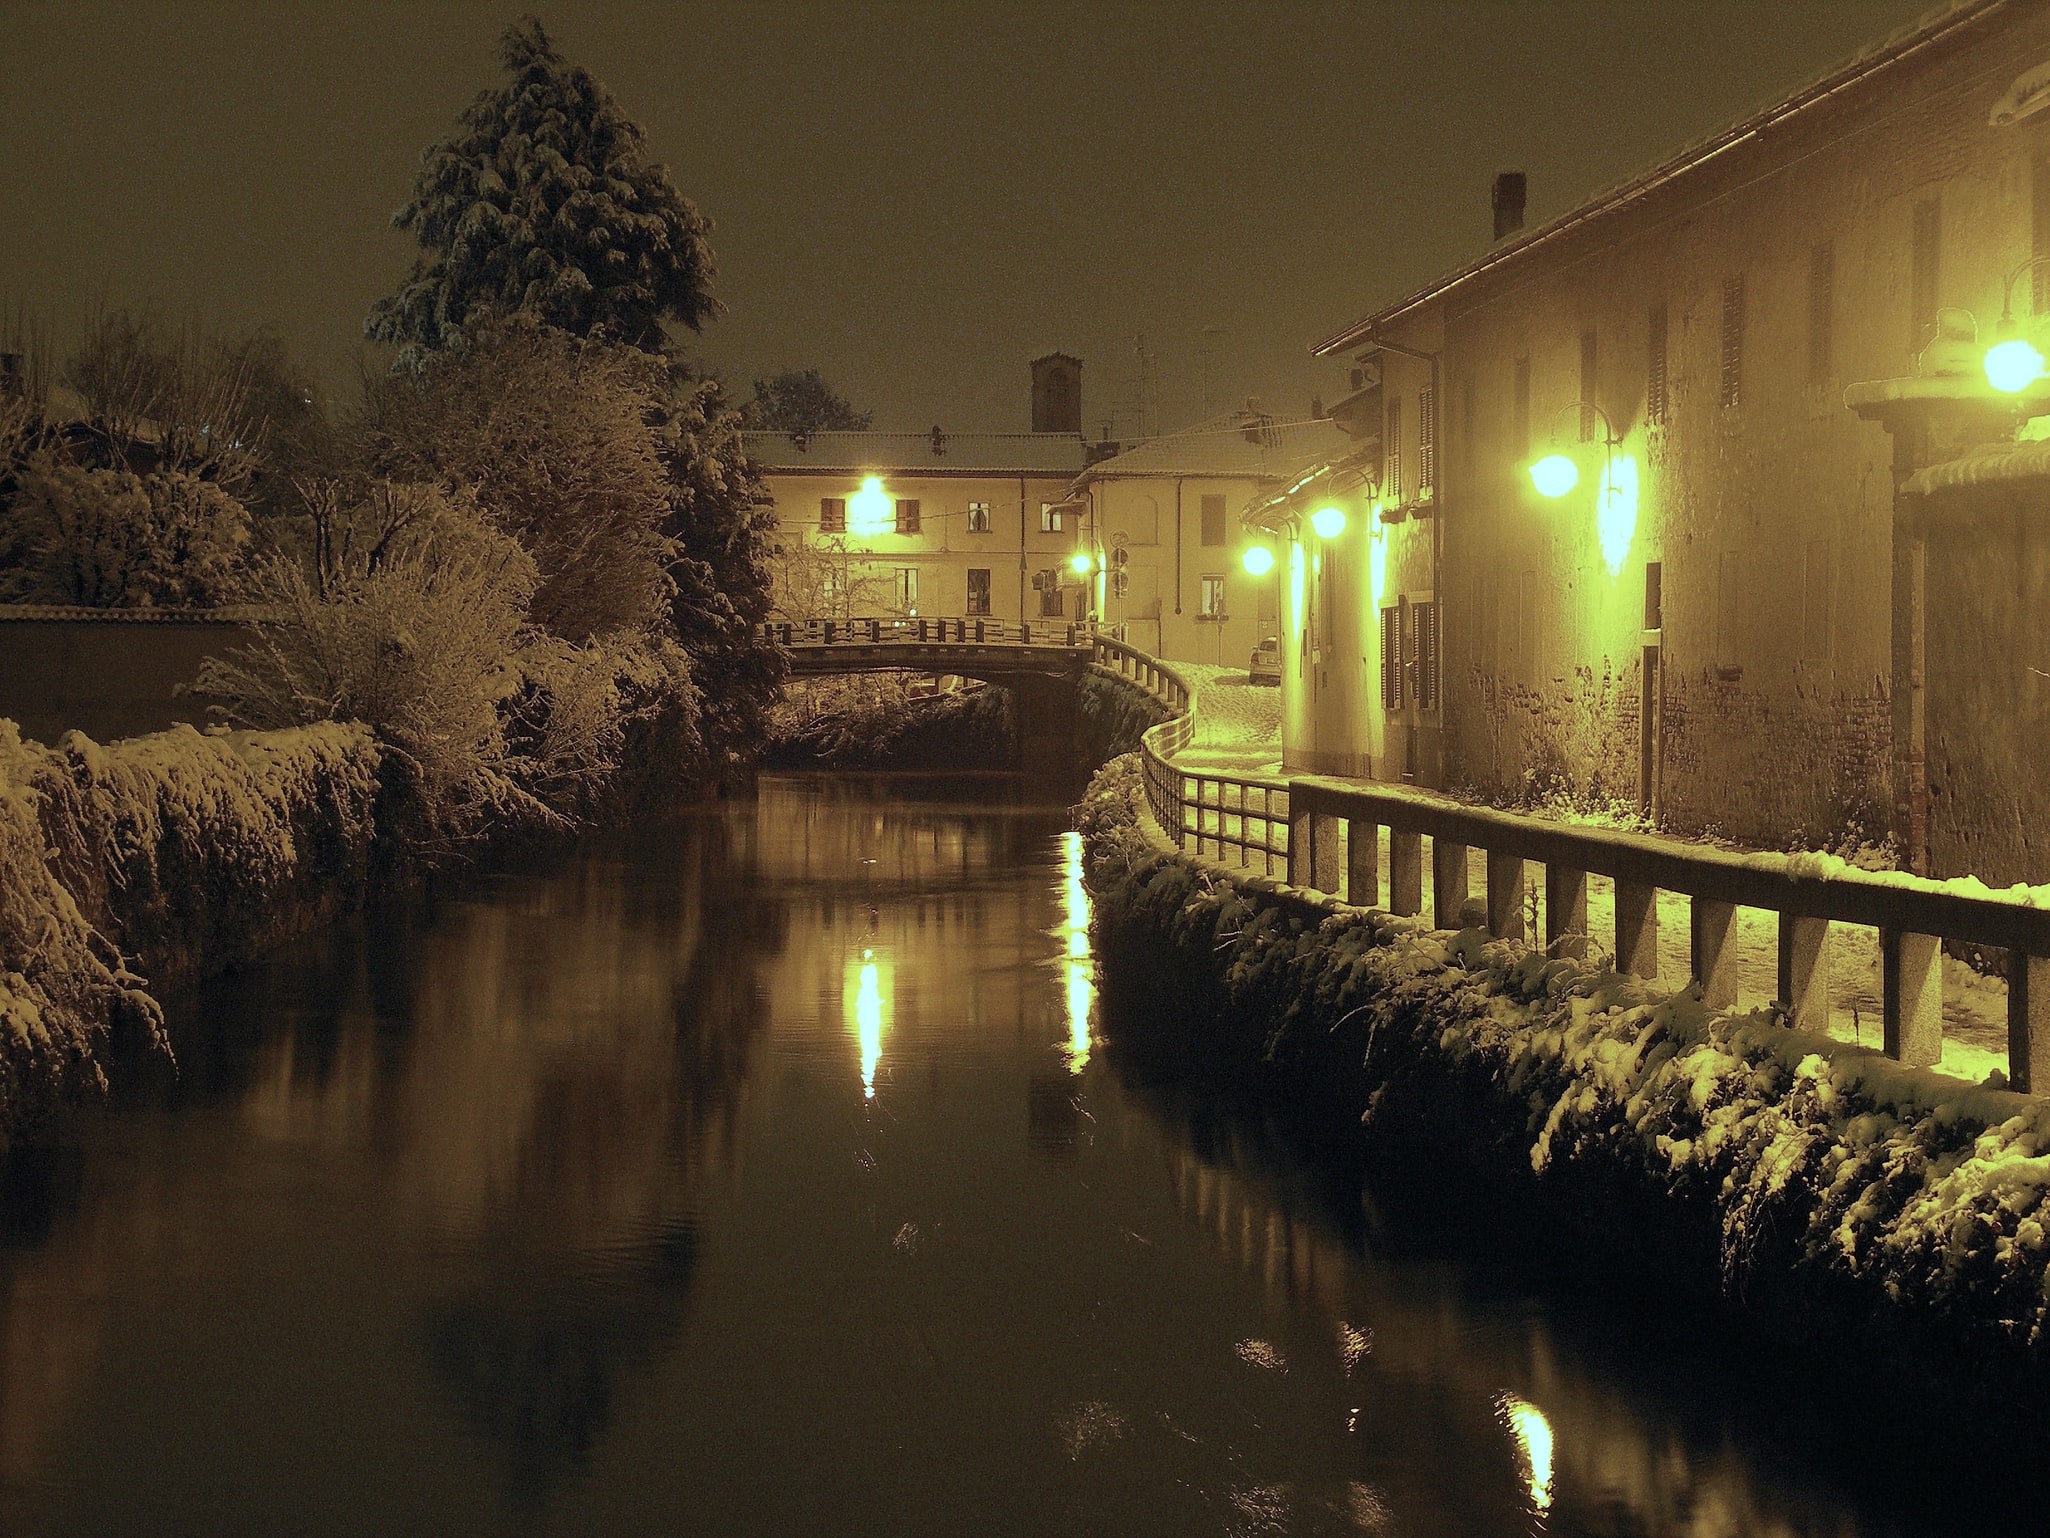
[[1057, 394], [1510, 187]]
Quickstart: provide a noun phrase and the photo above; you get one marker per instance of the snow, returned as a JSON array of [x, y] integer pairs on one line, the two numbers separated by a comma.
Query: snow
[[1237, 722]]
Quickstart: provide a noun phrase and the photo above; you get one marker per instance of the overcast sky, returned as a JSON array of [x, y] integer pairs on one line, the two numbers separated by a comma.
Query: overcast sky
[[915, 199]]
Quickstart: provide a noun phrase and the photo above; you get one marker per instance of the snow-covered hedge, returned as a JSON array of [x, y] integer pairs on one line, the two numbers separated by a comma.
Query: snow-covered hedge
[[152, 858], [1827, 1190]]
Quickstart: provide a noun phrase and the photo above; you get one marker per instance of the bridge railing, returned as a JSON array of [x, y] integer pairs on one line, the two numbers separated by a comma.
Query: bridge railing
[[929, 630], [1325, 834]]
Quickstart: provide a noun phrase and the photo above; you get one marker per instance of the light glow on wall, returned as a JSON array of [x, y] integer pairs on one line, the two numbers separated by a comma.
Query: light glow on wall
[[2013, 365], [1616, 511], [870, 510], [1295, 585], [1533, 1433], [1258, 560], [1377, 563]]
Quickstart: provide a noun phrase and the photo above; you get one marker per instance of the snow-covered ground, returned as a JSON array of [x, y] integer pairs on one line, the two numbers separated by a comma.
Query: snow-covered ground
[[1238, 730]]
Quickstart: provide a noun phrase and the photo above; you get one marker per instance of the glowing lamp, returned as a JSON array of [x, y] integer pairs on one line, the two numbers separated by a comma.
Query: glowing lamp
[[1329, 522], [1081, 563], [1554, 475], [869, 510], [2013, 365], [1258, 560]]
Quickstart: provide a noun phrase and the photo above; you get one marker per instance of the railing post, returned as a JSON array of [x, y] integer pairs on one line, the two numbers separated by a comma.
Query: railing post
[[829, 632], [1911, 996], [1448, 882], [1565, 902], [1712, 944], [1300, 839], [1804, 972], [2028, 1021], [1362, 863], [1324, 869], [1405, 872], [1505, 894], [1637, 930]]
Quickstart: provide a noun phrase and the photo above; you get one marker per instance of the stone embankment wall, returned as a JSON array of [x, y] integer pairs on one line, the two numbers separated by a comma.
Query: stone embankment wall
[[1892, 1217], [154, 858]]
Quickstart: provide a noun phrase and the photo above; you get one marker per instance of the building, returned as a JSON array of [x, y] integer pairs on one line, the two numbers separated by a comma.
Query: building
[[941, 524], [1168, 515], [1722, 616]]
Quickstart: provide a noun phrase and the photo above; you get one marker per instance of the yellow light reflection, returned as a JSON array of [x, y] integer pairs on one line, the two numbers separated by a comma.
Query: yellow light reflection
[[1295, 584], [870, 1007], [870, 510], [1080, 970], [1533, 1433], [1616, 511], [1377, 562]]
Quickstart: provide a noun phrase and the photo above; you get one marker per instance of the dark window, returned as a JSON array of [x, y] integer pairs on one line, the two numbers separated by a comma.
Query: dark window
[[1654, 595], [978, 590], [1655, 366], [1050, 600], [1733, 340], [1821, 311], [1589, 383], [1211, 604], [1391, 658], [1213, 521], [907, 515], [1427, 441], [1392, 452], [1424, 653], [1925, 277], [832, 515], [1520, 419], [978, 518]]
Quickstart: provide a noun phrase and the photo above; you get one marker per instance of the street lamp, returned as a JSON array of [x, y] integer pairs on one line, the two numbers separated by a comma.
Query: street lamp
[[869, 510], [1258, 560], [1328, 521], [1082, 563], [1557, 473], [2013, 363]]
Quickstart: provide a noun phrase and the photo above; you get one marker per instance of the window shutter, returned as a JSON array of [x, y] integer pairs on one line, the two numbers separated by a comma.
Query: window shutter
[[832, 515], [1733, 340], [1391, 659], [1392, 452], [1655, 363], [1213, 520], [1427, 442], [907, 515]]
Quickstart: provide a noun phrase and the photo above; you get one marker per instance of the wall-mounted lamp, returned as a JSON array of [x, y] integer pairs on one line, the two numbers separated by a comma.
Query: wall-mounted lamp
[[1258, 560], [870, 510], [1082, 563], [2013, 362], [1558, 473], [1328, 521]]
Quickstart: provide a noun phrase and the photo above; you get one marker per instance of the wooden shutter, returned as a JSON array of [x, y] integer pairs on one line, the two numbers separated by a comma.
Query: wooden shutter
[[1213, 521], [1655, 365], [1427, 441], [832, 515], [907, 515], [1424, 621], [1391, 658], [1392, 452]]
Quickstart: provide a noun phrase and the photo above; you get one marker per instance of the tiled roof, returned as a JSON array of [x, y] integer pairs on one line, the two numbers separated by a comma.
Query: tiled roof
[[1233, 444], [1873, 57], [996, 453]]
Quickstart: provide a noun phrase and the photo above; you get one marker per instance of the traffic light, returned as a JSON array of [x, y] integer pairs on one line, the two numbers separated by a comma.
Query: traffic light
[[1120, 579]]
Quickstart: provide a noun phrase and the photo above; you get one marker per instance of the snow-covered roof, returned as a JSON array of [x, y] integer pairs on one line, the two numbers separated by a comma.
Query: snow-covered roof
[[1050, 454], [1910, 40], [1237, 444], [1995, 464]]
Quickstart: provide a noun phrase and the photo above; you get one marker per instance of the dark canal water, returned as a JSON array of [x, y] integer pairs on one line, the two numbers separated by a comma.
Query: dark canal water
[[770, 1172]]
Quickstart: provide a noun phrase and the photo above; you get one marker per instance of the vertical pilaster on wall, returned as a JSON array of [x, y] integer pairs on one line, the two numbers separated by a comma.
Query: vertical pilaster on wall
[[1713, 947], [1362, 863], [1637, 929], [1505, 895], [1565, 902], [1448, 882], [1911, 996], [1405, 872], [2028, 1022], [1804, 972]]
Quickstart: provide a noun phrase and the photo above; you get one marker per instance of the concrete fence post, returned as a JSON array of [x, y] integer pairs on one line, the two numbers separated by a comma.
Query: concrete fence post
[[2028, 1022], [1362, 863], [1911, 996], [1405, 872], [1505, 894], [1712, 944], [1324, 866], [1637, 929], [1301, 852], [1565, 902], [1804, 972], [1448, 882]]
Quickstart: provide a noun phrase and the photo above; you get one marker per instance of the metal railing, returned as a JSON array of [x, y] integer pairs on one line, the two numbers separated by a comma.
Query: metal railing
[[1297, 822], [935, 630]]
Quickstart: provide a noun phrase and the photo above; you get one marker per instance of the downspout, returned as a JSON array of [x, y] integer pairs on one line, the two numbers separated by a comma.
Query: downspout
[[1177, 547], [1023, 618]]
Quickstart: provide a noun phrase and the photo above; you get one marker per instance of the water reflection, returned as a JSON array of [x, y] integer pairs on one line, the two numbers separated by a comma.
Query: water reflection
[[1533, 1433], [1079, 971], [868, 1015]]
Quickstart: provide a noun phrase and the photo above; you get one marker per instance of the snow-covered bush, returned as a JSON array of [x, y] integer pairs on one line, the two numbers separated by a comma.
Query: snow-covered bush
[[113, 539]]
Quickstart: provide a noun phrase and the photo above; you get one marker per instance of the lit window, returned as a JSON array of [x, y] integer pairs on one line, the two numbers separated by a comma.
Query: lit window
[[1211, 604], [978, 517], [1049, 520]]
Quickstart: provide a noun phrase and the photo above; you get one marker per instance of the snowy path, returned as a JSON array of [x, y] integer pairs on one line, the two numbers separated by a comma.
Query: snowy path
[[1238, 723]]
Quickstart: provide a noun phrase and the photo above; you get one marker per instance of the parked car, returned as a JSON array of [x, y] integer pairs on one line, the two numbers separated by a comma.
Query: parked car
[[1265, 668]]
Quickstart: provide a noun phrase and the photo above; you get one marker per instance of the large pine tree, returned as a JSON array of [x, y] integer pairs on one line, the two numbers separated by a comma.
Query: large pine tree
[[543, 203]]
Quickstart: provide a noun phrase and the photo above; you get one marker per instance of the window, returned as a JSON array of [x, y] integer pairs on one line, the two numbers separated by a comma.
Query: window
[[1520, 422], [1423, 651], [1049, 520], [832, 515], [907, 588], [1925, 278], [978, 590], [978, 522], [1821, 307], [1211, 605], [1391, 658], [1391, 454], [1213, 520], [907, 515], [1655, 365], [1050, 598], [1733, 340], [1590, 382], [1427, 443]]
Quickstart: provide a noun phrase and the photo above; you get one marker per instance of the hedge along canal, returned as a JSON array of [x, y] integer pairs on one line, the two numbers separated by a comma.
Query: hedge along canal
[[1885, 1224]]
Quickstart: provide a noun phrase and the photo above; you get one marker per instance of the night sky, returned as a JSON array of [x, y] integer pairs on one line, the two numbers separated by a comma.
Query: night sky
[[913, 199]]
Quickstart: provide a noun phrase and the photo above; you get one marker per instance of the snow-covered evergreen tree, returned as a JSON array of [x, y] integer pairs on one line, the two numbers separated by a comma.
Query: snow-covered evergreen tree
[[543, 203]]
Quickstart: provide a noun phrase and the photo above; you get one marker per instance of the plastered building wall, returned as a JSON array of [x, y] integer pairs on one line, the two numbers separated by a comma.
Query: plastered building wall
[[1160, 521]]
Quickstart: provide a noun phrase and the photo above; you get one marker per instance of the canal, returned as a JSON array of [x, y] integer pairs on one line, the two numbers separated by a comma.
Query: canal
[[773, 1171]]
